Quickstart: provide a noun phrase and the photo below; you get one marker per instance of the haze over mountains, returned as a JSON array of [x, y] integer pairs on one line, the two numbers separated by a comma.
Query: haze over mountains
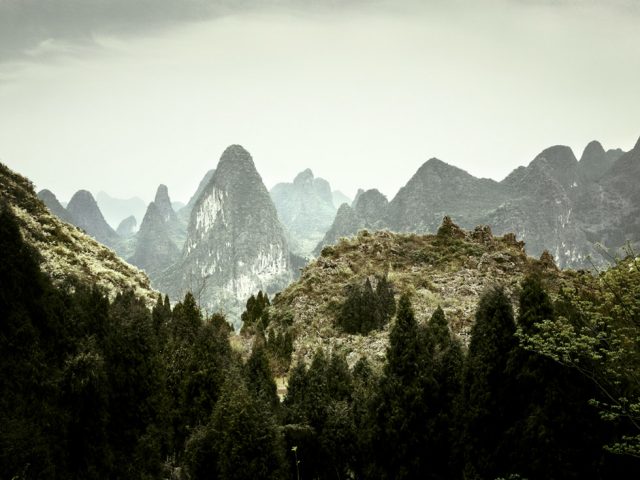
[[234, 238]]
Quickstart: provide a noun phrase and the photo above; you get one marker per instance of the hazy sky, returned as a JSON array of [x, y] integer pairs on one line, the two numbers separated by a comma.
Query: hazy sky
[[121, 96]]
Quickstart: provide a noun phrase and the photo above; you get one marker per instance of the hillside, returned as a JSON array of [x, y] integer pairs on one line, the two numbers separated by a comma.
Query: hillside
[[450, 269], [68, 252]]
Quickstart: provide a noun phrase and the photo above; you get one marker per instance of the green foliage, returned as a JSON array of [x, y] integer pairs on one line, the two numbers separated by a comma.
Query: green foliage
[[366, 309], [488, 405], [401, 411], [318, 416], [256, 318], [597, 333], [259, 377], [280, 347], [247, 442]]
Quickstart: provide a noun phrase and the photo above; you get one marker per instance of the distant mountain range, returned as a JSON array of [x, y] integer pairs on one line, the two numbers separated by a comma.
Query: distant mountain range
[[306, 208], [556, 203], [234, 238]]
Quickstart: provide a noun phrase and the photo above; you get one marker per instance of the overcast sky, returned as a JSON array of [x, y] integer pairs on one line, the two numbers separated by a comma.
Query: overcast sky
[[121, 95]]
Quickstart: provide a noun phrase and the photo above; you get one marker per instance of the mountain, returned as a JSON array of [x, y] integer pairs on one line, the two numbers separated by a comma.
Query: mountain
[[371, 206], [155, 251], [87, 215], [54, 206], [235, 243], [176, 228], [305, 208], [345, 224], [127, 227], [67, 252], [115, 210], [438, 189], [339, 198], [610, 209], [555, 203], [185, 212], [368, 212], [595, 161], [450, 269], [163, 204]]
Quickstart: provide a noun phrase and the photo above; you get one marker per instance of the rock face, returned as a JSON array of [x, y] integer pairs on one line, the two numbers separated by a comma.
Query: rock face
[[556, 203], [305, 208], [127, 227], [155, 251], [235, 244], [86, 215], [185, 212], [54, 206], [115, 210], [346, 223], [67, 252]]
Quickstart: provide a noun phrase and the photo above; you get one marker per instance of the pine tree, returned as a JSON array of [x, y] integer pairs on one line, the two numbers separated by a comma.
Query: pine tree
[[402, 411], [247, 442], [488, 403], [259, 377]]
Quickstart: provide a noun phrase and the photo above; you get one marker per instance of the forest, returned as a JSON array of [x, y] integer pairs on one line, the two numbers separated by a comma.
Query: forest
[[93, 388]]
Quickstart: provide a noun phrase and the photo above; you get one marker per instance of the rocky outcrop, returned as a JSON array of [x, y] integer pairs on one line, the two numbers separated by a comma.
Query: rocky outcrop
[[235, 244], [305, 207], [450, 270], [86, 215]]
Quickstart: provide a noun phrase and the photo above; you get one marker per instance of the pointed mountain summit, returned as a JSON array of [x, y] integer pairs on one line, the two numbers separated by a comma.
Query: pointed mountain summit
[[54, 206], [155, 250], [594, 161], [235, 243], [438, 189], [87, 215], [163, 204], [371, 206], [305, 208]]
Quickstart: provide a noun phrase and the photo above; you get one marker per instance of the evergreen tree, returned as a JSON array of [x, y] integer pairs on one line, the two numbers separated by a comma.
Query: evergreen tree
[[138, 400], [259, 377], [443, 424], [488, 388], [247, 442], [401, 408]]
